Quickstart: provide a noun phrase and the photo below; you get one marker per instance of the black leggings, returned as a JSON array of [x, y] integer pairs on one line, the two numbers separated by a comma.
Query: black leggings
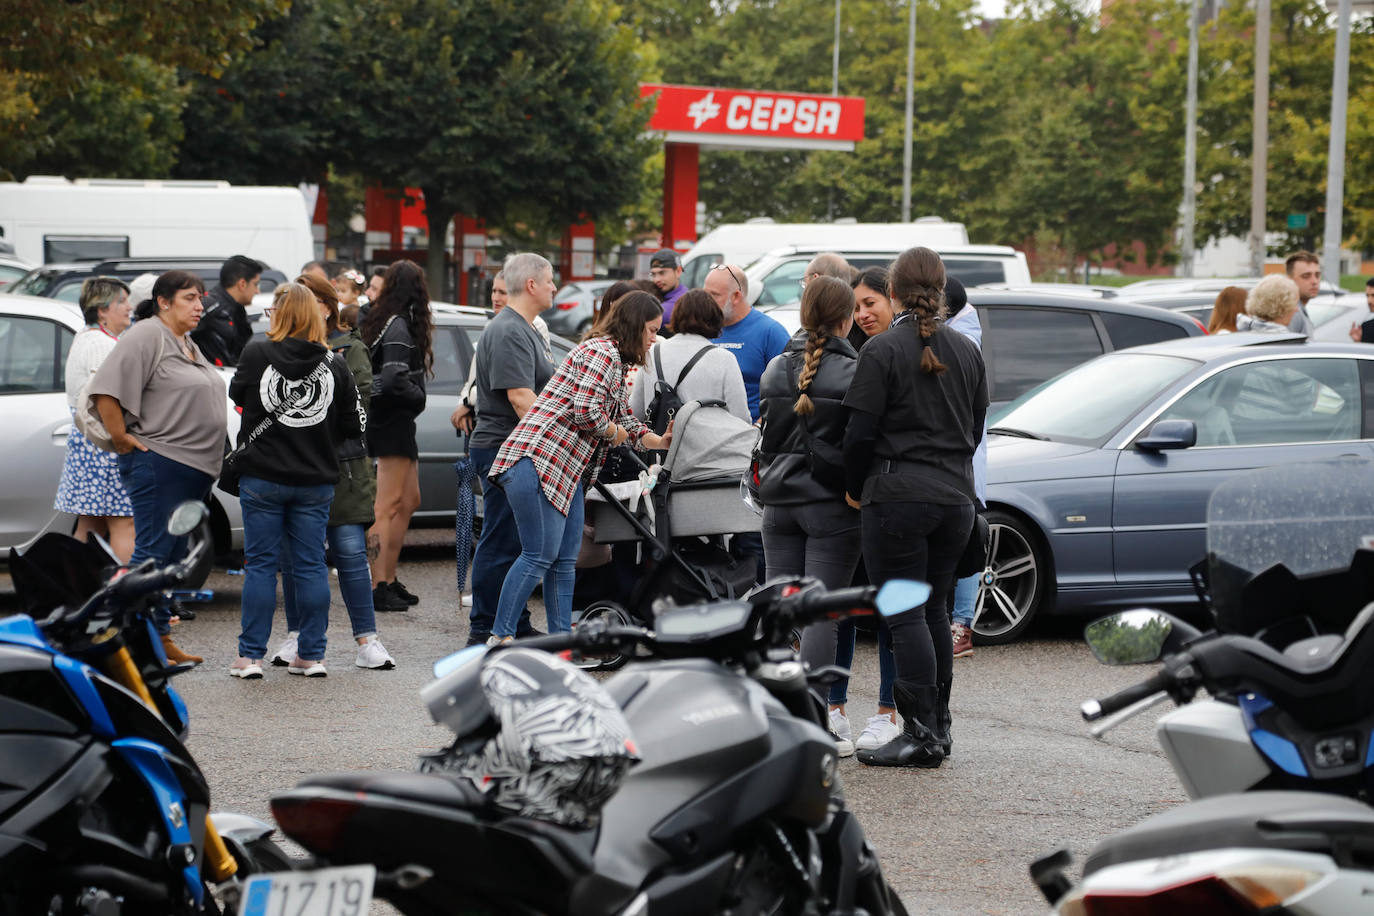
[[918, 540]]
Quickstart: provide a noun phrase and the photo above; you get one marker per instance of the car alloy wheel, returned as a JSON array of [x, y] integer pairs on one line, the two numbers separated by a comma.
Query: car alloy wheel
[[1010, 586]]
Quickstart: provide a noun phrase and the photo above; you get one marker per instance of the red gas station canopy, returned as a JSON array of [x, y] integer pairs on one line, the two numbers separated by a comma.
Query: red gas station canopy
[[741, 118]]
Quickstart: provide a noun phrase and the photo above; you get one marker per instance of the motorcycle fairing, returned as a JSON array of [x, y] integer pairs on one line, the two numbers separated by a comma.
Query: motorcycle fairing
[[1283, 753], [21, 630], [184, 828]]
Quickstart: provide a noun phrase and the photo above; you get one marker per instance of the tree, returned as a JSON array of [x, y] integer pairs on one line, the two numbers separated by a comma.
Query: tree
[[493, 107], [81, 81]]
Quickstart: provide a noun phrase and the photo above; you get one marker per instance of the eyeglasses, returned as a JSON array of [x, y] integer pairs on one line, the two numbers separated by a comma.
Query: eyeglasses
[[726, 268], [802, 281]]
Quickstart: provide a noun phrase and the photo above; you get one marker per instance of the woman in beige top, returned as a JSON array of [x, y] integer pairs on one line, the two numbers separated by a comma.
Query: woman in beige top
[[165, 408]]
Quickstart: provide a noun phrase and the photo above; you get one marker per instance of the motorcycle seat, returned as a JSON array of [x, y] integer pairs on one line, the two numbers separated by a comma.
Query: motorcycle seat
[[1303, 821], [440, 789]]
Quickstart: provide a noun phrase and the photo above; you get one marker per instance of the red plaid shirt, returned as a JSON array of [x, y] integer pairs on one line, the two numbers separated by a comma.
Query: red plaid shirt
[[562, 431]]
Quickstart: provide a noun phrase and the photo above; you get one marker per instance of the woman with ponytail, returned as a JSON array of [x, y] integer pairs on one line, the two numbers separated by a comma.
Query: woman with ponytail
[[917, 405], [807, 527]]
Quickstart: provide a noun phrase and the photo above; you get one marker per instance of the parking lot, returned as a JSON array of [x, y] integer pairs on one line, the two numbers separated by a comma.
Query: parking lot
[[1025, 776]]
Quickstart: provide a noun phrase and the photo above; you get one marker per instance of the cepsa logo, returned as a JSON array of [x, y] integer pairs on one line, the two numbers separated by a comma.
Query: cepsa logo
[[703, 110]]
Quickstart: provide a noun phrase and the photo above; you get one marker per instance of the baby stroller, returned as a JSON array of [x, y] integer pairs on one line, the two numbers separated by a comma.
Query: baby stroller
[[679, 522]]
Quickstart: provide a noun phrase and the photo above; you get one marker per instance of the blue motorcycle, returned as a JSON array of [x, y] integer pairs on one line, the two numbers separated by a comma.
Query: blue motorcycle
[[103, 810]]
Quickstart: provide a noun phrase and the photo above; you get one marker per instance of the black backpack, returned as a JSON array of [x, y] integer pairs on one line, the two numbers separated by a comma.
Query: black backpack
[[666, 402]]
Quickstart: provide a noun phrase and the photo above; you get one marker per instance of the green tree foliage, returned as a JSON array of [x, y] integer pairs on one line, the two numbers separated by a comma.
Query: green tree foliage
[[89, 86], [1300, 64], [492, 107]]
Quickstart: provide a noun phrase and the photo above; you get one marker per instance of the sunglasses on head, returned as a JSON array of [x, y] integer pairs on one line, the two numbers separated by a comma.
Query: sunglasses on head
[[726, 268]]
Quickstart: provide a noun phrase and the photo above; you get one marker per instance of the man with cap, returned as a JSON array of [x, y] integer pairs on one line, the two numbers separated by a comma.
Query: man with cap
[[666, 272]]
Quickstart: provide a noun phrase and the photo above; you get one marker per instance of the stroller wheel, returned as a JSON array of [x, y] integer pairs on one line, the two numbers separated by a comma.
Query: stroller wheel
[[613, 615]]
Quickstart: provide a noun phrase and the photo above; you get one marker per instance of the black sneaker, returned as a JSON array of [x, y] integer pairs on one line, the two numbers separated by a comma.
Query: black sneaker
[[384, 599], [400, 591], [478, 638]]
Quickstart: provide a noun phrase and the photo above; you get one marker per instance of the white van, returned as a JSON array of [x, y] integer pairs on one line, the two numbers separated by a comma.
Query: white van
[[53, 220], [775, 278]]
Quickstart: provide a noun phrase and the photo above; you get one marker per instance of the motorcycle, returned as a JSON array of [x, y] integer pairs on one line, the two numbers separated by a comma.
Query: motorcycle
[[102, 808], [700, 779], [1289, 579], [1286, 730]]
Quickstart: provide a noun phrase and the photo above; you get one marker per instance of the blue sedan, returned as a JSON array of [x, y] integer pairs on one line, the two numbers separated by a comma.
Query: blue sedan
[[1098, 480]]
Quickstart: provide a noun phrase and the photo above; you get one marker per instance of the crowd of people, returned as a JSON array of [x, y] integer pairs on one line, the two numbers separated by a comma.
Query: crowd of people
[[871, 422], [331, 389]]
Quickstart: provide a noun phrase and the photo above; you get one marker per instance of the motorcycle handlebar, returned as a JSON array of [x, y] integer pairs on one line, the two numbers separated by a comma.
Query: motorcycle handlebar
[[1095, 709], [584, 637], [818, 603]]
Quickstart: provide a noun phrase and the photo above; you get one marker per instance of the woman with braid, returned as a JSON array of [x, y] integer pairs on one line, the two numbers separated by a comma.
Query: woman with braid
[[807, 527], [917, 405]]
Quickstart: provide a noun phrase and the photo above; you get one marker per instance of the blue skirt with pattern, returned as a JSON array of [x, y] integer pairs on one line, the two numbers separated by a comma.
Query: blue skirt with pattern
[[90, 482]]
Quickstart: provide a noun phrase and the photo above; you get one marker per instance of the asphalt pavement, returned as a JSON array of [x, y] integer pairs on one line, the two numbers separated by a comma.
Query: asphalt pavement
[[1025, 777]]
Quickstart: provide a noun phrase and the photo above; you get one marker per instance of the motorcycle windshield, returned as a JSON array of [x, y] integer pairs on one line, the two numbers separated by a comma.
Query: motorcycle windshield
[[1291, 542]]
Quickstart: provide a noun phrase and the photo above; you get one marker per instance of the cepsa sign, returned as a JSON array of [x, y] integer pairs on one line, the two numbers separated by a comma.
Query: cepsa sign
[[742, 113]]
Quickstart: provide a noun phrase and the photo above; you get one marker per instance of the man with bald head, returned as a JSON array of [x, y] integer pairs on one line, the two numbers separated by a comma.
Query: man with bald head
[[828, 264]]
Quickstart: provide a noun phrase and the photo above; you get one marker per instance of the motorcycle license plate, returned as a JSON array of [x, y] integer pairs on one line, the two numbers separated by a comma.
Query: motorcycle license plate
[[322, 892]]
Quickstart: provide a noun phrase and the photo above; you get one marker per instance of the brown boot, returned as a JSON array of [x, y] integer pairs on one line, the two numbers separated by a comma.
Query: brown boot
[[176, 656]]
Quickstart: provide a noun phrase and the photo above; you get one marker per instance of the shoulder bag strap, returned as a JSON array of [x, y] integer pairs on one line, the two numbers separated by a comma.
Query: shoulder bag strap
[[696, 358], [658, 362]]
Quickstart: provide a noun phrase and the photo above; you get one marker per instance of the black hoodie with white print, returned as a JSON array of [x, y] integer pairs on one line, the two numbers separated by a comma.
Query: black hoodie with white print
[[299, 447]]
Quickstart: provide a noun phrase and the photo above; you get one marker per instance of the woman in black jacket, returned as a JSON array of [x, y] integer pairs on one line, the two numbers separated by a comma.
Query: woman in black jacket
[[299, 403], [397, 330], [917, 404], [807, 527]]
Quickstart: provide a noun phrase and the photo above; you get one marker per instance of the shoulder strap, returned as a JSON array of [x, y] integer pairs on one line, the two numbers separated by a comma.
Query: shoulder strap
[[696, 358], [385, 327], [658, 362]]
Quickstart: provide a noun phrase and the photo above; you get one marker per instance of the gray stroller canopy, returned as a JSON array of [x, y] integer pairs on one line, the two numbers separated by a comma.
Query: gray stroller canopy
[[709, 442]]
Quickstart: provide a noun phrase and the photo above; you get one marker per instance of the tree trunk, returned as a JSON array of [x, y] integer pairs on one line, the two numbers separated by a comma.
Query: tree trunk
[[440, 215]]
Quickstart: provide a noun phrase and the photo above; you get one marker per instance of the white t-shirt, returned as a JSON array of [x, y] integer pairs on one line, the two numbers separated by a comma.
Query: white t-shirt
[[89, 349]]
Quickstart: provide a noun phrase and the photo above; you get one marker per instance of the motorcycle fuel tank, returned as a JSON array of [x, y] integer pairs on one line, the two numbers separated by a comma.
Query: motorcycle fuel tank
[[1210, 749], [694, 725]]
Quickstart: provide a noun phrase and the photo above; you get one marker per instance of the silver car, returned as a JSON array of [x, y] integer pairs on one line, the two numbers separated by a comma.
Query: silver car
[[35, 335], [573, 306]]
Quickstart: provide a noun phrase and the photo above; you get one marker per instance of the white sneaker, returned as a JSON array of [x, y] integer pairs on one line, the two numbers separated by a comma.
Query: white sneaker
[[467, 600], [879, 731], [839, 727], [372, 654], [286, 652]]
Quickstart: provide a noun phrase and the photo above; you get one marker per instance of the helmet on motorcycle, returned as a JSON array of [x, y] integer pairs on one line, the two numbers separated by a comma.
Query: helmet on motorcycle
[[563, 746]]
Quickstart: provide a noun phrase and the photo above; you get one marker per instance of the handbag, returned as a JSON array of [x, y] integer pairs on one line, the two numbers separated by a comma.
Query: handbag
[[974, 559], [232, 467], [825, 461]]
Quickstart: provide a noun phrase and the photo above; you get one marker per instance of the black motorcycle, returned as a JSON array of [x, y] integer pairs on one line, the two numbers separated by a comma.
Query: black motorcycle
[[702, 779], [103, 810]]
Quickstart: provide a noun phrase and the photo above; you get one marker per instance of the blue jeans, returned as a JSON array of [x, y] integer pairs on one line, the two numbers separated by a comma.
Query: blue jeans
[[965, 599], [844, 657], [497, 547], [274, 514], [157, 485], [549, 544], [347, 551]]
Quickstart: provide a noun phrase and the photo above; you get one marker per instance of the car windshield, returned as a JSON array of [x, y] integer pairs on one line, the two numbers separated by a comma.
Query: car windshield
[[1090, 402], [1322, 312], [35, 284]]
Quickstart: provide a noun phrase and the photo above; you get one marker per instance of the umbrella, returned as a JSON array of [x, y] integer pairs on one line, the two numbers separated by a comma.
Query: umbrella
[[462, 523]]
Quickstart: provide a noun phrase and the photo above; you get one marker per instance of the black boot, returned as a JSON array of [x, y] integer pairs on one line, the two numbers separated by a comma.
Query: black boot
[[943, 720], [917, 745]]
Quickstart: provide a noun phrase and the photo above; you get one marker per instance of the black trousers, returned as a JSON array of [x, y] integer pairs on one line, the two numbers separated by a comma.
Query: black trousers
[[918, 540]]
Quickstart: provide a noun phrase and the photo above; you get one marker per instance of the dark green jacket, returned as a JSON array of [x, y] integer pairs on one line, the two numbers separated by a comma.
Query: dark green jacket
[[357, 488]]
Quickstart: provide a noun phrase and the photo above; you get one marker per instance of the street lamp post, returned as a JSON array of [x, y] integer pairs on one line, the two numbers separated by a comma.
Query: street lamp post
[[1186, 242], [910, 83], [1335, 157], [1259, 156]]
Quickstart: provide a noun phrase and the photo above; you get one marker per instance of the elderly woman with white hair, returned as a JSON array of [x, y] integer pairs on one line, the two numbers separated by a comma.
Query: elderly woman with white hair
[[1270, 306]]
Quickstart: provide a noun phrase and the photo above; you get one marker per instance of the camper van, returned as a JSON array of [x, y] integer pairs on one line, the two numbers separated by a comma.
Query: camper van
[[53, 220], [775, 254]]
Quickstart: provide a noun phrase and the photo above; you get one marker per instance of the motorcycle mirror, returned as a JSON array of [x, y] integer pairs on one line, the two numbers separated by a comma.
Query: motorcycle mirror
[[450, 663], [186, 517], [1130, 637], [900, 595]]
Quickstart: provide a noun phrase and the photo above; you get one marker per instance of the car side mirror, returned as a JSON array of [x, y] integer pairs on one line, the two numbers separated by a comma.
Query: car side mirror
[[1168, 434]]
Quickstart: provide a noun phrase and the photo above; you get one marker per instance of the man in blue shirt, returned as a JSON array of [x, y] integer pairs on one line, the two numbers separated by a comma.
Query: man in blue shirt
[[751, 337], [665, 270]]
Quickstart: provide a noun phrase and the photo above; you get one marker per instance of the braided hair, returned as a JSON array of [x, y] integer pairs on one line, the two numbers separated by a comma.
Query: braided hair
[[917, 280], [826, 303]]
